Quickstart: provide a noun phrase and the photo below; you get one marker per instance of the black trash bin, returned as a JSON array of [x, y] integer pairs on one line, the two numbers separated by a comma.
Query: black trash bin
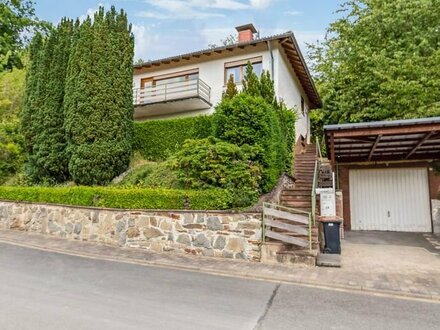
[[332, 237]]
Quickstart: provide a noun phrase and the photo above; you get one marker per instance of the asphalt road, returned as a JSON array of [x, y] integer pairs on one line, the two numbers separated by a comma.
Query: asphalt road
[[45, 290]]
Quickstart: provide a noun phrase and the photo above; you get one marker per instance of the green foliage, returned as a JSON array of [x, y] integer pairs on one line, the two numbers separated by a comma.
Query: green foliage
[[287, 120], [17, 20], [251, 83], [152, 175], [11, 155], [43, 116], [210, 162], [380, 60], [266, 88], [231, 88], [158, 139], [249, 120], [98, 98], [132, 198], [11, 93]]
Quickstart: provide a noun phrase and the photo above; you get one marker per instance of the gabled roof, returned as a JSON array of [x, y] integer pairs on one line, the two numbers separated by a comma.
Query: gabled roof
[[287, 41]]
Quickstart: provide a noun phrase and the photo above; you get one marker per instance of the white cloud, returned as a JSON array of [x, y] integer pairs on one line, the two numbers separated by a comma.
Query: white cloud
[[260, 4], [191, 9], [293, 13], [308, 37], [214, 36]]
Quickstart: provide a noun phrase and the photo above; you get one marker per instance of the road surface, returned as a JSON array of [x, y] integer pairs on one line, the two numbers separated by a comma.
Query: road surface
[[46, 290]]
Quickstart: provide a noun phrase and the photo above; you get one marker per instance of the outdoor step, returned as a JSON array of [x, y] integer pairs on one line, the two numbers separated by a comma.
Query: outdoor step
[[297, 204], [298, 198], [296, 192]]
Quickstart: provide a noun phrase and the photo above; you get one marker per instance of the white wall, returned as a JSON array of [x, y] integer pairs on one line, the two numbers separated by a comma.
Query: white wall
[[211, 72], [289, 89]]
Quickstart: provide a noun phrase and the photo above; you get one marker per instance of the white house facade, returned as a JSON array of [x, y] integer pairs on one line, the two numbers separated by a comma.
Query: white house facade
[[193, 84]]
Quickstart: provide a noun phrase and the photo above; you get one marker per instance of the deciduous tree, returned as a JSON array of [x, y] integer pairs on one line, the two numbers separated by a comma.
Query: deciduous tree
[[380, 60]]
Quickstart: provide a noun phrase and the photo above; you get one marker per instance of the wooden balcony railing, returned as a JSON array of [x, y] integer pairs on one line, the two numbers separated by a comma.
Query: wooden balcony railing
[[172, 91]]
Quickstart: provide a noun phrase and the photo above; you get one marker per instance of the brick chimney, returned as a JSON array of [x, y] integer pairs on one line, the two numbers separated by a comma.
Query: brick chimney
[[246, 32]]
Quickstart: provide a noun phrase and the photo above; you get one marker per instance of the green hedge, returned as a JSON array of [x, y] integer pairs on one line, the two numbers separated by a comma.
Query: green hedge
[[158, 139], [130, 198]]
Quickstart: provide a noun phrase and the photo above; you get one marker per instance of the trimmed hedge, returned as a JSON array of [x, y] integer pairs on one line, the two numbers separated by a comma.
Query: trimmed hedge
[[130, 198], [158, 139]]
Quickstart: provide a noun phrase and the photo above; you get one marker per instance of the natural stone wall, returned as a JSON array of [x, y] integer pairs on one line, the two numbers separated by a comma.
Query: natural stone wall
[[435, 206], [217, 234]]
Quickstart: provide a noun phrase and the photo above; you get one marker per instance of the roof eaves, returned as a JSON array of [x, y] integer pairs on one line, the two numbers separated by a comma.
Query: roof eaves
[[212, 50], [390, 123]]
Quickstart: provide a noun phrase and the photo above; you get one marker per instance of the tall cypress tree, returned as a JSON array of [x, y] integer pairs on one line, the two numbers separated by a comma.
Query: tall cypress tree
[[98, 103], [43, 118], [31, 99]]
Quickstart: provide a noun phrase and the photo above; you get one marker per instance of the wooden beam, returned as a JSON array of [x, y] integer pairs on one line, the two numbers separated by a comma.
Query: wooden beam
[[425, 138], [374, 147], [332, 151], [401, 130]]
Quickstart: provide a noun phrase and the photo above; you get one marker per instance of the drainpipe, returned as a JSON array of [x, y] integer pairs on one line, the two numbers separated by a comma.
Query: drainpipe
[[269, 46]]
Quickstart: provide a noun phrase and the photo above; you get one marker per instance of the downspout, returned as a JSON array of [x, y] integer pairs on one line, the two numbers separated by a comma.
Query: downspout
[[269, 46]]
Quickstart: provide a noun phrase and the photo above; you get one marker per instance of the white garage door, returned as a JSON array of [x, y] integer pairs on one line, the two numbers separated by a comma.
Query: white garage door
[[390, 199]]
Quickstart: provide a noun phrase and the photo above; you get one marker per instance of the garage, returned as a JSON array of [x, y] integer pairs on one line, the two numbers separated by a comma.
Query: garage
[[390, 199], [387, 173]]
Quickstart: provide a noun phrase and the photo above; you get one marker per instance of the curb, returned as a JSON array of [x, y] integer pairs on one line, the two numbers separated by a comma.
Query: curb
[[248, 274]]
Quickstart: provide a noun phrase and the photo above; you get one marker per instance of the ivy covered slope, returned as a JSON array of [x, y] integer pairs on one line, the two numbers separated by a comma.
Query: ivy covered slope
[[379, 61], [98, 98]]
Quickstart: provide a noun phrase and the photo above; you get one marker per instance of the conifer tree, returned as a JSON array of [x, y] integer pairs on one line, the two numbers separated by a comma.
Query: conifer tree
[[231, 88], [43, 118], [31, 100], [251, 83], [98, 103], [267, 89]]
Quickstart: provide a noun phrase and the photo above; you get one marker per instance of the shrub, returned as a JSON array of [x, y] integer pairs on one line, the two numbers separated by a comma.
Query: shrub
[[250, 120], [133, 198], [97, 163], [287, 119], [11, 155], [158, 139], [208, 163], [152, 175]]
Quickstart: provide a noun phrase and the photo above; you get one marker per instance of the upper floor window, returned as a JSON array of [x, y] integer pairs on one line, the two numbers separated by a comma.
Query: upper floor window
[[169, 79], [237, 69]]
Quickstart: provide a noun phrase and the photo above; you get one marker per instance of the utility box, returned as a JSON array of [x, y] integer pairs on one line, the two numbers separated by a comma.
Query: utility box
[[327, 202]]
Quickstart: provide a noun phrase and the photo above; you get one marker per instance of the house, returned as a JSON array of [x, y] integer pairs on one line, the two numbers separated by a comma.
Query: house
[[387, 173], [192, 84]]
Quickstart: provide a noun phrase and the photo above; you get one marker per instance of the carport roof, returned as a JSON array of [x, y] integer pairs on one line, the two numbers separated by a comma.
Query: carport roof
[[413, 139]]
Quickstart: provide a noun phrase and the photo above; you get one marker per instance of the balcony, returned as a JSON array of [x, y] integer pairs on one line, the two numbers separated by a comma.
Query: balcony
[[171, 98]]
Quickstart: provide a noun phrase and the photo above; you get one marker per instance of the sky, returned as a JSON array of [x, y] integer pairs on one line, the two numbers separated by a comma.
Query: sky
[[165, 28]]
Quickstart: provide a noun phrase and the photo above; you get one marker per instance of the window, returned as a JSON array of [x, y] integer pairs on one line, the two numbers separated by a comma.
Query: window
[[238, 69], [170, 78]]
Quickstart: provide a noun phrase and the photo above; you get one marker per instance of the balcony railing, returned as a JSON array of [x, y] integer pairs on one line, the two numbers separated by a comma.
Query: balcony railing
[[172, 91]]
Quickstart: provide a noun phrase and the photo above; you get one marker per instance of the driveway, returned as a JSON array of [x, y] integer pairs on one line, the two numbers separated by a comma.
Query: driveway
[[391, 252]]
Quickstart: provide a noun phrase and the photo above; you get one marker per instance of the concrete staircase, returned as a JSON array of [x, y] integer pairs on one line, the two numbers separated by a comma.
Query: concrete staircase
[[298, 197]]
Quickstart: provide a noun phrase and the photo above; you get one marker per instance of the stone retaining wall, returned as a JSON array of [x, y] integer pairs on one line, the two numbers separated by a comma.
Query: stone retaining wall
[[217, 234]]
